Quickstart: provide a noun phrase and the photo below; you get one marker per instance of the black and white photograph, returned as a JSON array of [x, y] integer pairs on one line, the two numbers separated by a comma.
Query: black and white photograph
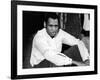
[[50, 39]]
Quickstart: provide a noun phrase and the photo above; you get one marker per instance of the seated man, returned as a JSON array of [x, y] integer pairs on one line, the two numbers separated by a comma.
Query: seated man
[[47, 45]]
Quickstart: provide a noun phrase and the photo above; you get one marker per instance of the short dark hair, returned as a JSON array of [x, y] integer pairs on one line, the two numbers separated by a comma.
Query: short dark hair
[[51, 15]]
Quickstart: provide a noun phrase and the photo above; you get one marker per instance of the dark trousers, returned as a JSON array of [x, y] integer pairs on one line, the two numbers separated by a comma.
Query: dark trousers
[[72, 52]]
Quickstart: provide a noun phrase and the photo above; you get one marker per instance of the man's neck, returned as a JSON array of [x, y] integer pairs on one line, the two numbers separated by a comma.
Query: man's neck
[[52, 37]]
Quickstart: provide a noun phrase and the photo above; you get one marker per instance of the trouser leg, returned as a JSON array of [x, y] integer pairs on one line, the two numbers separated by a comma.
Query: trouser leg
[[44, 64], [73, 53]]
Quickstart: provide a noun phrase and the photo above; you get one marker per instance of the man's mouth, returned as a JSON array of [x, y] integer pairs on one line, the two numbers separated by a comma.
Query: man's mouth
[[53, 33]]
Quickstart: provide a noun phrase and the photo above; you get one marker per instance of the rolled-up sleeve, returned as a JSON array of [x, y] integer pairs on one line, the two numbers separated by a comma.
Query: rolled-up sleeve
[[50, 54], [58, 59]]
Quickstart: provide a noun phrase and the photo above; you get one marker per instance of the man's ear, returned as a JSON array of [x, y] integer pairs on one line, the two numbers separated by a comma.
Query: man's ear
[[44, 24]]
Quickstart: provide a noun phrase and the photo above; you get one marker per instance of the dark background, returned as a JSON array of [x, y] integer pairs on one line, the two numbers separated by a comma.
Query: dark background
[[32, 22]]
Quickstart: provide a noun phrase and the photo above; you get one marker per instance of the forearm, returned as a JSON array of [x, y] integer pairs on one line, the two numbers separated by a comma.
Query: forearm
[[57, 59], [83, 51], [80, 63]]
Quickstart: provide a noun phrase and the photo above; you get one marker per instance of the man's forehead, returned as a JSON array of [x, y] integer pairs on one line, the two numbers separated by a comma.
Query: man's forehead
[[52, 20]]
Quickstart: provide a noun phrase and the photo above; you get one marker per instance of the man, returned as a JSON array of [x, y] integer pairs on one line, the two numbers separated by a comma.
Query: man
[[47, 45]]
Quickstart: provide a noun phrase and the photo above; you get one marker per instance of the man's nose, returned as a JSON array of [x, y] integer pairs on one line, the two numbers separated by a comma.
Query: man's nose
[[53, 28]]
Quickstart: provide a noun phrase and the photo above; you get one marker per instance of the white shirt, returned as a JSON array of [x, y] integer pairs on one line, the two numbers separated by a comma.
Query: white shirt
[[45, 47]]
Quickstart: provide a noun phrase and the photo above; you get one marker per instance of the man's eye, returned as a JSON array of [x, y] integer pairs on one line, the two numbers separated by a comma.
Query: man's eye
[[56, 25], [50, 26]]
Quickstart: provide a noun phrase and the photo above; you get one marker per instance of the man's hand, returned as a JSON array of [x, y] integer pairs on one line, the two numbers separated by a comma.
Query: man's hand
[[87, 62], [80, 63]]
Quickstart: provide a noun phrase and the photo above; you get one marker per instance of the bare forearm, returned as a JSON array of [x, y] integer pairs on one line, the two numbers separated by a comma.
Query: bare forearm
[[80, 63]]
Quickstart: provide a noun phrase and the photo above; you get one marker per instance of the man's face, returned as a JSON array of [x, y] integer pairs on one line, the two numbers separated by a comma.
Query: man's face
[[52, 27]]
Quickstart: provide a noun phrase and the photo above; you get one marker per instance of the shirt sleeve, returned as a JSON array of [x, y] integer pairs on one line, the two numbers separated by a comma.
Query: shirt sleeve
[[50, 54], [71, 40], [83, 50]]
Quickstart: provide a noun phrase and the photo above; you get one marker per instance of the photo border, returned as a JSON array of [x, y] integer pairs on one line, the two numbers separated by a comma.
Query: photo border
[[14, 5]]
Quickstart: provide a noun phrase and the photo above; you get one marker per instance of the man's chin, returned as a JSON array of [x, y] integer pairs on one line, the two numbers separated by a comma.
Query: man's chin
[[52, 35]]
